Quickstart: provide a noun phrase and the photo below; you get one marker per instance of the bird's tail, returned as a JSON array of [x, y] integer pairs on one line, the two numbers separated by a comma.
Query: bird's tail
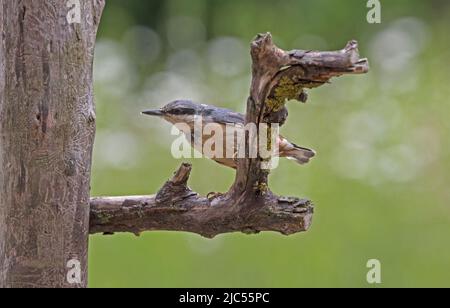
[[299, 154]]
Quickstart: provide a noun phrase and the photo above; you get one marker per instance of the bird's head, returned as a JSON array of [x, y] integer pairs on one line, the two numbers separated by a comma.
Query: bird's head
[[180, 111]]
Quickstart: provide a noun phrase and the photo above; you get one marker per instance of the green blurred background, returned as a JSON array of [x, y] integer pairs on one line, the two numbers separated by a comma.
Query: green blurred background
[[379, 183]]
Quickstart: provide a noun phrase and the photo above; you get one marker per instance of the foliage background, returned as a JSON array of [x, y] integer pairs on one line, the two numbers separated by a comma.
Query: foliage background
[[380, 181]]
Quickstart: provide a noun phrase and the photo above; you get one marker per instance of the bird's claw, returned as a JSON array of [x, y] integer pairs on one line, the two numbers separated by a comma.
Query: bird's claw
[[213, 195]]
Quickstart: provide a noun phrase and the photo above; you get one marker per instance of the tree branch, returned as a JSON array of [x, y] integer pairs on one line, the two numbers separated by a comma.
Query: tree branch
[[249, 206], [177, 208]]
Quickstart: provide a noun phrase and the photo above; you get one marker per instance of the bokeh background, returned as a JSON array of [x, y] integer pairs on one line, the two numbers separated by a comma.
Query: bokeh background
[[379, 183]]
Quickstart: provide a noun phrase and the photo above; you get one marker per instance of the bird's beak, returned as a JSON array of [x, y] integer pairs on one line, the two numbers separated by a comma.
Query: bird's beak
[[153, 112]]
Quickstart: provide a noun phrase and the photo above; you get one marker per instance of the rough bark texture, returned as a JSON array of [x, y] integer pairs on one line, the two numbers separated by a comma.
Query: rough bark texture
[[177, 208], [47, 130], [249, 206]]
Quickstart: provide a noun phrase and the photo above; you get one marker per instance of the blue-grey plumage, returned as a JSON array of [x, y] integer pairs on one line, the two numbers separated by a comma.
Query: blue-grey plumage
[[186, 112]]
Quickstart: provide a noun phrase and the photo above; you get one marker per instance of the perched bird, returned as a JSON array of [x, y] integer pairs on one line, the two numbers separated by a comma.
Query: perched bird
[[186, 112]]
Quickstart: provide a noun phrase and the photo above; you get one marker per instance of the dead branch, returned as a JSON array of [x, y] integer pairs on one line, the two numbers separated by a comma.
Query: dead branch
[[249, 206], [177, 208]]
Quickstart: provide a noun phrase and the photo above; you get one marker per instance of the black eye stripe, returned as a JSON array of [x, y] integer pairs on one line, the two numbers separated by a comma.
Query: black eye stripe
[[182, 111]]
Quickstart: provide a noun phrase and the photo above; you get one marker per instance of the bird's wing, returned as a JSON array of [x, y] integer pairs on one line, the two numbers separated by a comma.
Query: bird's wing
[[286, 148], [224, 116]]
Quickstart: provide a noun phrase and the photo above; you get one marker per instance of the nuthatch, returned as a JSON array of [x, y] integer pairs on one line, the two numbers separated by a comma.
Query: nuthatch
[[186, 112]]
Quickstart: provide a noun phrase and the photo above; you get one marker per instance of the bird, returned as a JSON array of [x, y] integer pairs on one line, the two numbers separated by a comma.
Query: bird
[[186, 112]]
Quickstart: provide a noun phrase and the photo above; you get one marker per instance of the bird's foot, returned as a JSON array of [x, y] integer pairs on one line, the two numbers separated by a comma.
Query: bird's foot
[[213, 195]]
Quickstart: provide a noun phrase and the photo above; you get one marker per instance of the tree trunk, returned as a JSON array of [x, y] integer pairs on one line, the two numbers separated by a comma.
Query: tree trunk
[[47, 130]]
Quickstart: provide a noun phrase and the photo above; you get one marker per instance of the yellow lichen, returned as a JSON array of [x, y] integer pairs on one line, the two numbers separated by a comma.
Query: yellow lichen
[[269, 139], [286, 89], [261, 188]]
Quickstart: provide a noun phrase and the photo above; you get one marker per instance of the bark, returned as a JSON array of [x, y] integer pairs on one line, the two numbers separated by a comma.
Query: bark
[[177, 208], [249, 206], [47, 130]]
